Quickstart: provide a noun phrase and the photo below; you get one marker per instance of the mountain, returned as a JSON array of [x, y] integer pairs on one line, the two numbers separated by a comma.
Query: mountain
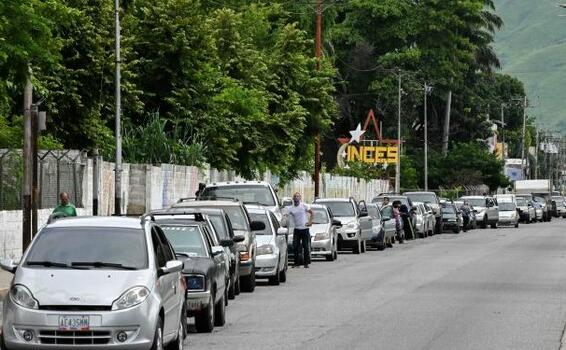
[[532, 47]]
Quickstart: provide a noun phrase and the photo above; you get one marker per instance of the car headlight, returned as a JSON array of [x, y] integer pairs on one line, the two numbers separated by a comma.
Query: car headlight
[[265, 249], [23, 297], [195, 283], [352, 225], [321, 236], [130, 298]]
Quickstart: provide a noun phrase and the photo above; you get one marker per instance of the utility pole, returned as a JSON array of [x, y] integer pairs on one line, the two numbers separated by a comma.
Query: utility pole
[[398, 165], [523, 163], [536, 154], [27, 158], [502, 131], [318, 53], [35, 180], [426, 91], [118, 107]]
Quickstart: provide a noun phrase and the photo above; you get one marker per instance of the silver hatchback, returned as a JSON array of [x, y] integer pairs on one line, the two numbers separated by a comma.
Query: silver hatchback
[[97, 283]]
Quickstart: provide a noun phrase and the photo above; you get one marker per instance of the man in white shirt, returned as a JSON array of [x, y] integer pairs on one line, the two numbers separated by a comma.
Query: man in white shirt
[[301, 216]]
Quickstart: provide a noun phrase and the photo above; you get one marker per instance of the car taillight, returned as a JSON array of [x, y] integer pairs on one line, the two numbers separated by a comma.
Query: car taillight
[[244, 256]]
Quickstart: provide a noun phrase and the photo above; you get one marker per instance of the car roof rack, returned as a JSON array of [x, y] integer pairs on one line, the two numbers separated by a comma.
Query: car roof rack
[[187, 199], [216, 198], [197, 216], [145, 217], [256, 203]]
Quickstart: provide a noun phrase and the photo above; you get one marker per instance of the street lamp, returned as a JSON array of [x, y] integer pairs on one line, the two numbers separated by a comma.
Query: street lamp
[[117, 115]]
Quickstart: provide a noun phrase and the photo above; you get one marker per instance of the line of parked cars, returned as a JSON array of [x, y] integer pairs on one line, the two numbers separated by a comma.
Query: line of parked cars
[[131, 283]]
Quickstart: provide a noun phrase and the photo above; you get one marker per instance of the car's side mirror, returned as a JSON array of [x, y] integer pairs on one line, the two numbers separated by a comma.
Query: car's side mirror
[[8, 265], [385, 219], [257, 226], [363, 214], [217, 251], [282, 231], [170, 267], [238, 239], [337, 223], [226, 242]]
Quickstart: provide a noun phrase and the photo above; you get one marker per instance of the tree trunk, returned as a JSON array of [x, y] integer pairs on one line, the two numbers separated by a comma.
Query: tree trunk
[[446, 130]]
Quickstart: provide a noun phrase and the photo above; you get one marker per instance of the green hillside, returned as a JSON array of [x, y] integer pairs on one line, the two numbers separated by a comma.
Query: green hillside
[[532, 47]]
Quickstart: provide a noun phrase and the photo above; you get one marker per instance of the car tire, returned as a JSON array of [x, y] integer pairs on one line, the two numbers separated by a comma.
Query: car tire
[[220, 312], [457, 230], [204, 321], [158, 337], [276, 279], [248, 282], [330, 257], [283, 274], [517, 225], [232, 287], [363, 247], [357, 248], [179, 342], [335, 254], [237, 288], [494, 225]]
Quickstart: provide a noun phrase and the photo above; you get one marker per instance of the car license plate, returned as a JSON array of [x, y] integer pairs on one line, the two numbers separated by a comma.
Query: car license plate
[[194, 305], [74, 323]]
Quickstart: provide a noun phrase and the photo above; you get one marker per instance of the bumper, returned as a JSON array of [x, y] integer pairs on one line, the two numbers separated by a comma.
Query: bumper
[[377, 239], [507, 222], [266, 265], [322, 247], [197, 301], [450, 226], [138, 323], [349, 235]]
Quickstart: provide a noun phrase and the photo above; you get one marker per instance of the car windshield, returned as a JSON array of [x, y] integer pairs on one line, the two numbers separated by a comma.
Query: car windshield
[[521, 202], [475, 202], [262, 218], [507, 207], [237, 217], [185, 239], [539, 199], [320, 216], [449, 210], [422, 197], [219, 227], [340, 209], [104, 245], [257, 194]]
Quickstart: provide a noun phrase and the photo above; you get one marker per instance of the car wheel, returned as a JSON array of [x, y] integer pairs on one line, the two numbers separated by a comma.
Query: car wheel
[[335, 254], [232, 287], [248, 282], [283, 274], [517, 225], [363, 247], [220, 312], [357, 247], [275, 280], [457, 230], [204, 321], [158, 337], [237, 288], [494, 225], [330, 257]]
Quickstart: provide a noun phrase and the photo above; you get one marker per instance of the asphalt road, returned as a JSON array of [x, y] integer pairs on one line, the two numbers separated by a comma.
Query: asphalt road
[[485, 289]]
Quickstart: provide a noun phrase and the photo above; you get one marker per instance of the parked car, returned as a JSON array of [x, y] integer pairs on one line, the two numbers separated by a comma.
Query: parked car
[[485, 209], [389, 225], [381, 236], [247, 192], [242, 226], [451, 221], [432, 199], [404, 201], [545, 201], [356, 225], [527, 212], [324, 233], [114, 283], [508, 214], [539, 212], [272, 261], [560, 206], [205, 267], [473, 221], [431, 219], [422, 222]]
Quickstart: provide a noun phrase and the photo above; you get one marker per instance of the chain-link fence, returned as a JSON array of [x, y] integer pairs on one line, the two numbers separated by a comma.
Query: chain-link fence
[[58, 171]]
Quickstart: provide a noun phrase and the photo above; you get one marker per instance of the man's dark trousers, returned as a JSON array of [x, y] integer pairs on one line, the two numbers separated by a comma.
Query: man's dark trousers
[[302, 241]]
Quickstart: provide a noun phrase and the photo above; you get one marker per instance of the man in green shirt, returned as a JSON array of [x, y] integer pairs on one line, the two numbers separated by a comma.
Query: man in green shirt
[[65, 208]]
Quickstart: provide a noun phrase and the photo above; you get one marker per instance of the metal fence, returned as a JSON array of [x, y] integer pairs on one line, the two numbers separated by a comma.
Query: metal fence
[[58, 171]]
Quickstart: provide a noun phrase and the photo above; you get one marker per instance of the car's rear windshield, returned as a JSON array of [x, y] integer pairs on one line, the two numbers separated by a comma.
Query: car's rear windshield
[[449, 210], [539, 199], [258, 194], [475, 202], [339, 208], [185, 239], [507, 206], [423, 197], [320, 216], [262, 217], [107, 245]]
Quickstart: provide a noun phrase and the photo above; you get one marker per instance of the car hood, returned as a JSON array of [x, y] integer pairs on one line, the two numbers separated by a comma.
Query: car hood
[[263, 239], [345, 220], [197, 265], [95, 287], [318, 228]]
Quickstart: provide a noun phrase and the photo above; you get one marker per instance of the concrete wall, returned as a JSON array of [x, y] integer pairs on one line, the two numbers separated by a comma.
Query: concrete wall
[[146, 187]]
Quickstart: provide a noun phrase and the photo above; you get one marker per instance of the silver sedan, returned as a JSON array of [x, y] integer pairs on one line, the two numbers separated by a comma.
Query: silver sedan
[[324, 240]]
